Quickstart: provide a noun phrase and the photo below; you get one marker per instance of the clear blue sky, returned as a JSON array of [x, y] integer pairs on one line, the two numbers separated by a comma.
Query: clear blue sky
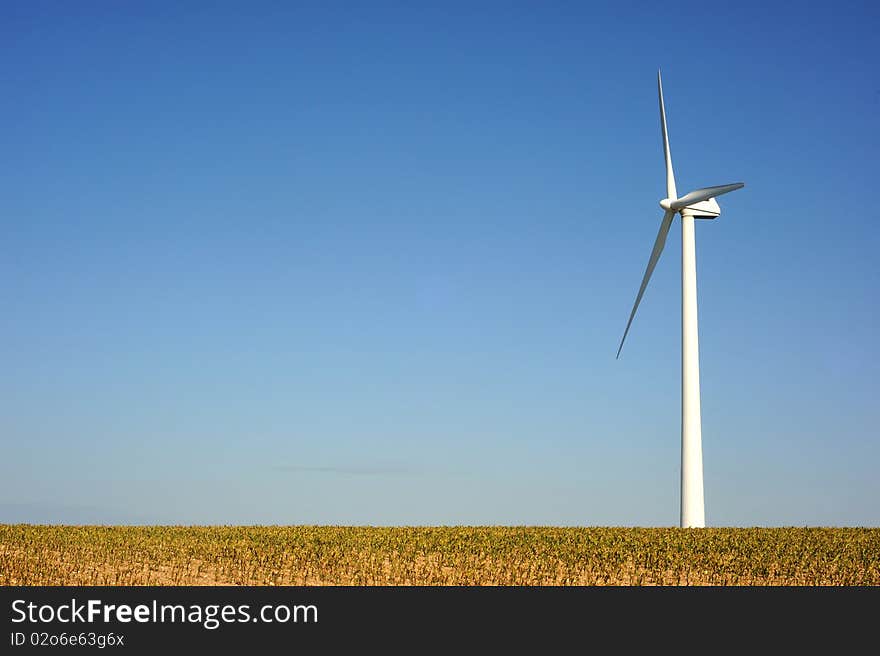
[[348, 264]]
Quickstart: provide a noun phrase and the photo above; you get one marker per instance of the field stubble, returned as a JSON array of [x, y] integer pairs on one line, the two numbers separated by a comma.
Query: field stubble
[[338, 555]]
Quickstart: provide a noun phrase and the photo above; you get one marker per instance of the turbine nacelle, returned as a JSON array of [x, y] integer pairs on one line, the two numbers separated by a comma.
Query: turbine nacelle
[[700, 200], [704, 209]]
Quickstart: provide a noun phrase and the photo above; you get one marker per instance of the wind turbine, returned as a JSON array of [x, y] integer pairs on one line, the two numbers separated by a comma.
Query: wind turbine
[[698, 204]]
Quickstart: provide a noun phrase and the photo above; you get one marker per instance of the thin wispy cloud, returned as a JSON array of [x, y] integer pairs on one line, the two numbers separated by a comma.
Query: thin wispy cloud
[[360, 470]]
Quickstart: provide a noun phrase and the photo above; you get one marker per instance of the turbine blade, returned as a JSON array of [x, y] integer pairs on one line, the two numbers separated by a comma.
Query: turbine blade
[[659, 243], [670, 176], [705, 193]]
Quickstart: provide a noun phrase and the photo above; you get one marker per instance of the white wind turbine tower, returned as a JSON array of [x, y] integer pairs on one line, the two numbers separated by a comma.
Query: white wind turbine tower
[[699, 204]]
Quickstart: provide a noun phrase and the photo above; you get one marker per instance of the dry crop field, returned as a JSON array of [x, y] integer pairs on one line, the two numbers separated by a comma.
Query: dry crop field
[[328, 555]]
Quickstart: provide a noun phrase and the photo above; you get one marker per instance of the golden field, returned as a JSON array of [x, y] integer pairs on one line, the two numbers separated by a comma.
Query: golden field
[[338, 555]]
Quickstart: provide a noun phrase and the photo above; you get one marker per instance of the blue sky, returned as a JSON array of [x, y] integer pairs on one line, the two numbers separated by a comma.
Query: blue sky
[[346, 264]]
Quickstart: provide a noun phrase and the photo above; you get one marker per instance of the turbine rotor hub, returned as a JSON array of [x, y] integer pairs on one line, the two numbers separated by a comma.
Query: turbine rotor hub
[[666, 203]]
